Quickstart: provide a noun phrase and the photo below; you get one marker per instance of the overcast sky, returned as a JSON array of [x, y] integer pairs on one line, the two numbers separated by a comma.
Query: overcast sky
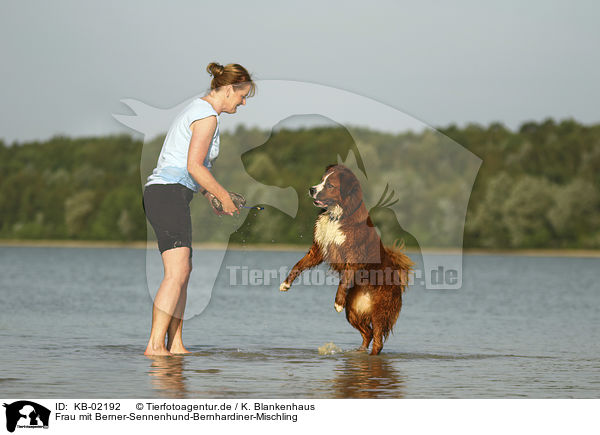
[[65, 65]]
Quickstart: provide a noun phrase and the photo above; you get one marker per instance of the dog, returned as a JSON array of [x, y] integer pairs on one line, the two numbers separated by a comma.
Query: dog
[[373, 277]]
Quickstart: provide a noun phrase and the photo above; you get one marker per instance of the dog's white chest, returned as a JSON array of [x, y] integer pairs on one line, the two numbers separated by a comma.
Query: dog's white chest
[[362, 303], [328, 231]]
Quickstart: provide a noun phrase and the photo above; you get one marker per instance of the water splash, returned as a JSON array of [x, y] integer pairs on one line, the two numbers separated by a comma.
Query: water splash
[[329, 349]]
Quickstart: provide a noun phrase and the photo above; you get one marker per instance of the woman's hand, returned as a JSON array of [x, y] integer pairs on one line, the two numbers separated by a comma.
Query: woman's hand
[[229, 207], [210, 196]]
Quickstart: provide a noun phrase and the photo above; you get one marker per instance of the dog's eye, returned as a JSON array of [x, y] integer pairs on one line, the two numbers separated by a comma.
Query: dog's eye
[[328, 185]]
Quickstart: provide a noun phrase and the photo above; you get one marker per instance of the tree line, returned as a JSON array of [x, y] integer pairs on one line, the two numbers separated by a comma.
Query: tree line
[[537, 187]]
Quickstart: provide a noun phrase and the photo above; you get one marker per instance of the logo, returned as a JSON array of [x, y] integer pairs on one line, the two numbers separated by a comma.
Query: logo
[[26, 414], [426, 178]]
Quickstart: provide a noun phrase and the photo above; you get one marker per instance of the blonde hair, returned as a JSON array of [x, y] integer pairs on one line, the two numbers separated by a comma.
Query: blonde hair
[[233, 74]]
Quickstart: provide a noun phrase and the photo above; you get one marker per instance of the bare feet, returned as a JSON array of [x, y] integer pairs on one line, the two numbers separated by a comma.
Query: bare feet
[[175, 345], [179, 350], [157, 352]]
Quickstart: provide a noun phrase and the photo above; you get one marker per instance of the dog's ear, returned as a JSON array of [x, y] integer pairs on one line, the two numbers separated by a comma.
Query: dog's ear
[[329, 167], [350, 192], [349, 185]]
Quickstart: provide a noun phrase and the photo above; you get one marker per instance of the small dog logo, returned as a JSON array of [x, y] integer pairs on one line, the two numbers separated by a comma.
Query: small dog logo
[[26, 414]]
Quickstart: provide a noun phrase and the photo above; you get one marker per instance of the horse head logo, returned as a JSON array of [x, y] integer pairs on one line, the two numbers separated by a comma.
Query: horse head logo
[[419, 188]]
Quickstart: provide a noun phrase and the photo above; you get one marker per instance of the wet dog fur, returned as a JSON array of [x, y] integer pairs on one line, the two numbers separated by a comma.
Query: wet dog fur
[[373, 277]]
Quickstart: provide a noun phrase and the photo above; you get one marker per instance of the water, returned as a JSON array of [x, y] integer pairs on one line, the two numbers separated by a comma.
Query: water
[[74, 324]]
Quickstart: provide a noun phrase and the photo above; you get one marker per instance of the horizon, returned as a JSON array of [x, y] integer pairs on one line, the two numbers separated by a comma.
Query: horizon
[[232, 130]]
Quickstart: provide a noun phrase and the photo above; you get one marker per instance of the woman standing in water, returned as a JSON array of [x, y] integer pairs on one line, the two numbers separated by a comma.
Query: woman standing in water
[[183, 168]]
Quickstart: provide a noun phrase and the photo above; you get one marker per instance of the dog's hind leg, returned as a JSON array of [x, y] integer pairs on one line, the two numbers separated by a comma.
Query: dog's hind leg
[[367, 336], [363, 325], [377, 337]]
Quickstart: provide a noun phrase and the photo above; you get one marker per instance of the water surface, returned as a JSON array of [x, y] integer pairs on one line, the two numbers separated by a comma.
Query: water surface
[[74, 323]]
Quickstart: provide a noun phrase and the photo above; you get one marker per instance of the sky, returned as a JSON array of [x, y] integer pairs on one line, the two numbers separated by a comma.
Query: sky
[[66, 64]]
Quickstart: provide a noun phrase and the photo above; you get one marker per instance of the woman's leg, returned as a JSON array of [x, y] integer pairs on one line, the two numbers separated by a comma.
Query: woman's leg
[[175, 330], [176, 263]]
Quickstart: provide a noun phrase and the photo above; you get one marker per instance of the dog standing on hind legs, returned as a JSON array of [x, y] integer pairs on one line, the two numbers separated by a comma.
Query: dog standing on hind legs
[[373, 277]]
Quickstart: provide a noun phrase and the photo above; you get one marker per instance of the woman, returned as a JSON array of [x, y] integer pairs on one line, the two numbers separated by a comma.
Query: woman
[[189, 149]]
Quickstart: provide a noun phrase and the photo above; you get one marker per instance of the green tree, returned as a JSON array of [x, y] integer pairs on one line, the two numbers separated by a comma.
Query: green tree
[[525, 213], [575, 214], [488, 227]]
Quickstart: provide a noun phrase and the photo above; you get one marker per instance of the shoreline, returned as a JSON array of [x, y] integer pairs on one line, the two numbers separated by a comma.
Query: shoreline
[[583, 253]]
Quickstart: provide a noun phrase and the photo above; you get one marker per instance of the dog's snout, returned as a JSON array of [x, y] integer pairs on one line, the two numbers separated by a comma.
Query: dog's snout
[[312, 191]]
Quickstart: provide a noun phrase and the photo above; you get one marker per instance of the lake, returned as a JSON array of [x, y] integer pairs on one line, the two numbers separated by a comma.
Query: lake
[[74, 323]]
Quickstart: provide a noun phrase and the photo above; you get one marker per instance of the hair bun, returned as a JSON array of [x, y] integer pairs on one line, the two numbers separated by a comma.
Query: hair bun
[[215, 69], [231, 74]]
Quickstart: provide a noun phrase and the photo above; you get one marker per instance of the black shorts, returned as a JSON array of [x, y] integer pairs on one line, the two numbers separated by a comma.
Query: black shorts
[[167, 208]]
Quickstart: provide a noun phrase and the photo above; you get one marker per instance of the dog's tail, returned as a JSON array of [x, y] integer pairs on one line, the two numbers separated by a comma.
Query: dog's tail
[[400, 261], [403, 266]]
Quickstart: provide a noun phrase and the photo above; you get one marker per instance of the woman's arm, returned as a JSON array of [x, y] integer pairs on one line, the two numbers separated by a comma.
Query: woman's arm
[[202, 133]]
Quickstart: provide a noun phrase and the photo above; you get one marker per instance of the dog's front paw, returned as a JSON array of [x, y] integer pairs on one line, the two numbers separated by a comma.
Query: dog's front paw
[[284, 287], [340, 303]]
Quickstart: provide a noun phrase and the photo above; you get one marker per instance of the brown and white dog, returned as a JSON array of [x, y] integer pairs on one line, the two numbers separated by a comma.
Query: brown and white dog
[[372, 276]]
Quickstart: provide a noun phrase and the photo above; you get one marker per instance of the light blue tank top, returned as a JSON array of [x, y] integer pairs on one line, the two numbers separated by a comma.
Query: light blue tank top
[[172, 161]]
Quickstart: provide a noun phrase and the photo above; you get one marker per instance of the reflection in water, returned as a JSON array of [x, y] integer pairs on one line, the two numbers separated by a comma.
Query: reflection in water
[[367, 377], [166, 375]]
